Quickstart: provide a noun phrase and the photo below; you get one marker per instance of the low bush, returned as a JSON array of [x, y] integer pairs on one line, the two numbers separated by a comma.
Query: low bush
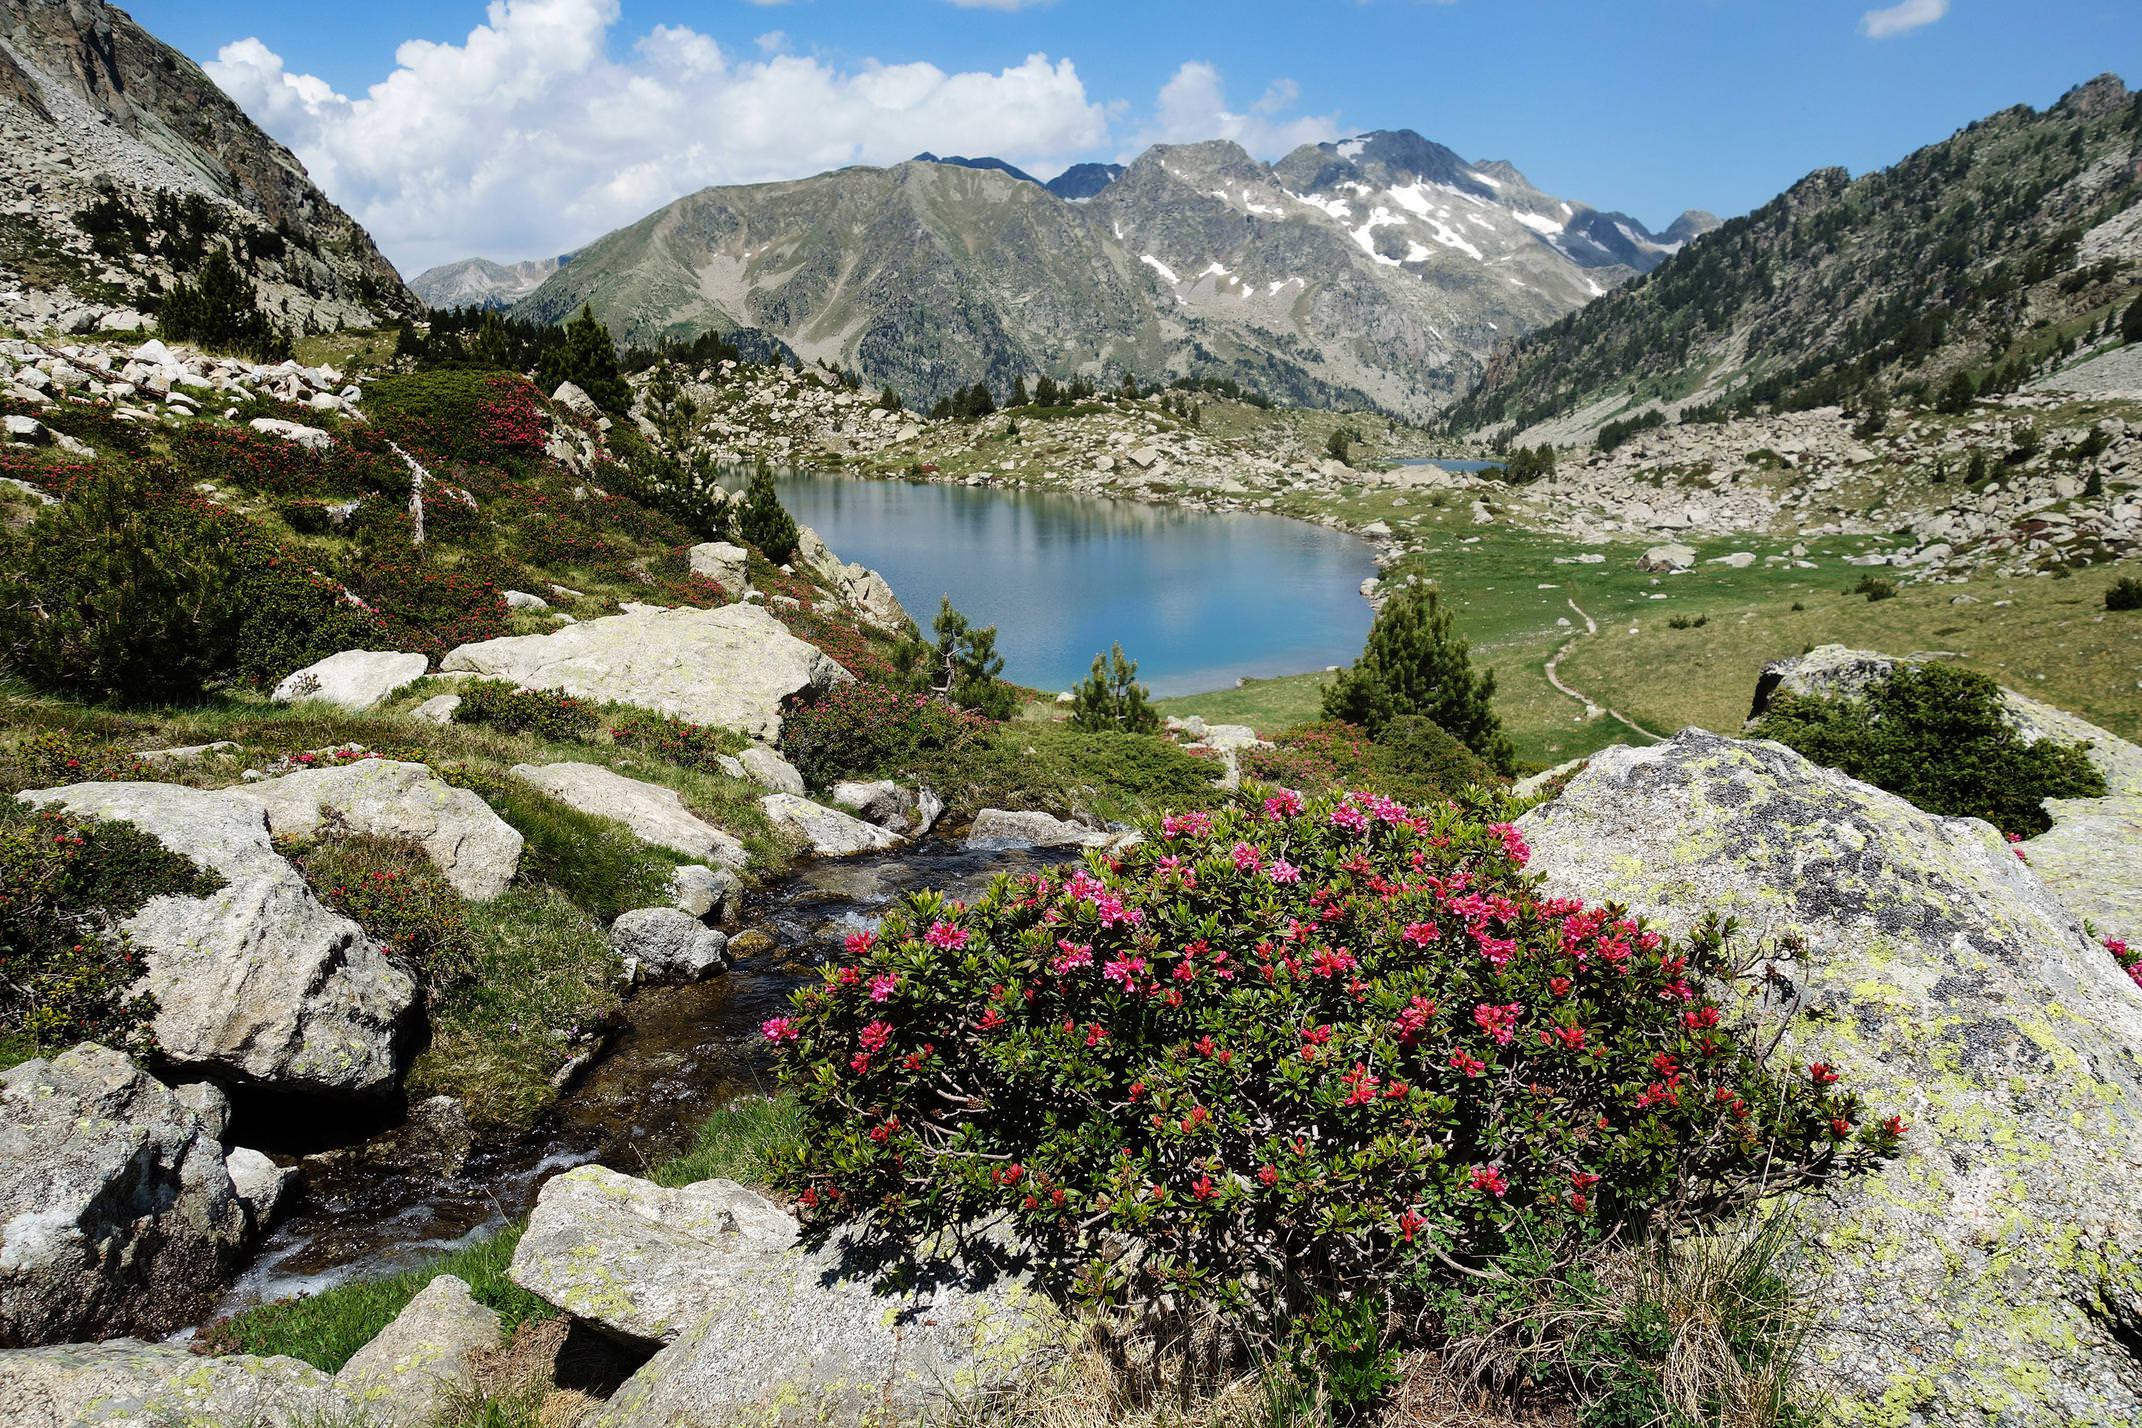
[[396, 894], [1293, 1062], [864, 730], [67, 974], [675, 741], [2129, 959], [474, 416], [1875, 589], [1414, 760], [545, 713], [427, 608], [49, 758], [295, 614], [2125, 594], [115, 596], [1940, 737]]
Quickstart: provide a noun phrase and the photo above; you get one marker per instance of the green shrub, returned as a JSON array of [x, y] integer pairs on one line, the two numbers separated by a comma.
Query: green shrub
[[1415, 663], [473, 416], [675, 741], [425, 607], [397, 895], [115, 595], [48, 758], [1938, 736], [66, 973], [1112, 698], [2124, 594], [1415, 760], [1875, 589], [763, 522], [295, 614], [1412, 749], [1058, 768], [864, 730], [545, 713], [588, 359], [1285, 1062]]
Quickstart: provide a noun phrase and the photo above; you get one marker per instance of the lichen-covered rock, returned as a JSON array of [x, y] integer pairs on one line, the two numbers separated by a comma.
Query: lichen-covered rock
[[667, 944], [758, 1330], [908, 812], [725, 564], [730, 667], [634, 1259], [256, 982], [827, 831], [129, 1384], [353, 679], [411, 1370], [858, 586], [1993, 1272], [478, 851], [704, 892], [996, 828], [769, 770], [654, 814], [117, 1214]]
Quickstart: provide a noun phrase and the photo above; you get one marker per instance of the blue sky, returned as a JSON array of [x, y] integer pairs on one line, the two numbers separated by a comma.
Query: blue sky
[[559, 119]]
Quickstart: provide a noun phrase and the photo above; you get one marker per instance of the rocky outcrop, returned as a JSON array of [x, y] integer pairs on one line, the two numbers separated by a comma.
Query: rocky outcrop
[[907, 812], [129, 1384], [730, 667], [768, 769], [825, 831], [668, 944], [997, 828], [858, 587], [354, 679], [1993, 1272], [478, 851], [757, 1329], [654, 814], [117, 1213], [256, 982], [727, 565], [2092, 856], [411, 1371]]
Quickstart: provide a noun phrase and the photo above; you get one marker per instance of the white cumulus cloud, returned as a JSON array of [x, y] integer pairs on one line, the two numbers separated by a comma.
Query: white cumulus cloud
[[1904, 16], [528, 138], [1192, 106]]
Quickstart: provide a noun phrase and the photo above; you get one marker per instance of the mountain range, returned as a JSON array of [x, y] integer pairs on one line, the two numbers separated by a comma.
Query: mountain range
[[1973, 255], [1379, 272], [98, 118]]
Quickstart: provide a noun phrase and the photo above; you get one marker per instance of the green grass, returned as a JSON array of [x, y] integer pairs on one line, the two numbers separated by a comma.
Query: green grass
[[325, 1329], [1266, 705]]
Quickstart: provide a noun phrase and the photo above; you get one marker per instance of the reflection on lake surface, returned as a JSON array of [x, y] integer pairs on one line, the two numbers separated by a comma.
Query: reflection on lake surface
[[1197, 599]]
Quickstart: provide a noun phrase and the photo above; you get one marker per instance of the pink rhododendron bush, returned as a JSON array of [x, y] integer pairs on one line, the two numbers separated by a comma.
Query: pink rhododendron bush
[[1295, 1060]]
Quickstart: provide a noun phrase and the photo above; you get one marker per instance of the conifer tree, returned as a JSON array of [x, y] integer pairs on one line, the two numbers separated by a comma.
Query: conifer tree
[[1045, 393], [1415, 663], [1018, 392], [963, 667], [587, 359], [219, 309], [1112, 699], [763, 521]]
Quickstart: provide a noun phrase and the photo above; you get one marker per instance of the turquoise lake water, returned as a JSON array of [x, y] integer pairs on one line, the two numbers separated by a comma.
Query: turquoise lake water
[[1199, 600]]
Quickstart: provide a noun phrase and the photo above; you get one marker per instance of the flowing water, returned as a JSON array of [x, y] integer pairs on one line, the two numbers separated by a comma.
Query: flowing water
[[1200, 600], [426, 1186]]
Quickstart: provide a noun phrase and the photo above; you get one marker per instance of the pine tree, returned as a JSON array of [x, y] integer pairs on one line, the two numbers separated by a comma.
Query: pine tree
[[1018, 392], [219, 309], [1045, 393], [889, 400], [1112, 699], [963, 667], [587, 359], [1339, 448], [1414, 663], [2131, 322], [763, 521]]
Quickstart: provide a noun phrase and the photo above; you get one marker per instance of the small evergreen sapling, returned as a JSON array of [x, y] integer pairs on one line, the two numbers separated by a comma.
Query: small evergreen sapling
[[1415, 663], [1112, 699], [763, 522], [587, 359]]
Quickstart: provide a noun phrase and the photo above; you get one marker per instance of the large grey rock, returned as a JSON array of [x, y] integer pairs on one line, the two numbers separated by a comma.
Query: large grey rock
[[701, 891], [478, 851], [669, 944], [117, 1214], [758, 1330], [908, 812], [2092, 860], [1992, 1273], [768, 769], [728, 566], [997, 828], [256, 982], [258, 1183], [827, 831], [634, 1259], [309, 437], [129, 1384], [729, 667], [859, 587], [353, 679], [1665, 559], [414, 1367], [654, 814]]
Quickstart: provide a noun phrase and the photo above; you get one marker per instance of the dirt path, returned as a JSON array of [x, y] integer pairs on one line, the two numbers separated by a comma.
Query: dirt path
[[1592, 708]]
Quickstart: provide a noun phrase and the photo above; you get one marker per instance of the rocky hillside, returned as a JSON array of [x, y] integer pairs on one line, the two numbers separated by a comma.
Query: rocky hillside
[[1989, 248], [481, 283], [1374, 273], [120, 162]]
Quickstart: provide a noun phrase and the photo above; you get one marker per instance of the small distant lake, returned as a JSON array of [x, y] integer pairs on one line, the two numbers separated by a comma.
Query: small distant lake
[[1450, 463], [1198, 599]]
